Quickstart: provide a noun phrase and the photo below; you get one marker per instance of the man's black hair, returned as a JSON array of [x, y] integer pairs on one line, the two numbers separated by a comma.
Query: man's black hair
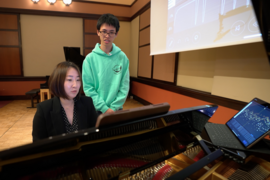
[[109, 19]]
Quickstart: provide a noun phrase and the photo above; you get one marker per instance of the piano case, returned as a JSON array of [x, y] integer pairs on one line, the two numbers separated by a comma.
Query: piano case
[[158, 146]]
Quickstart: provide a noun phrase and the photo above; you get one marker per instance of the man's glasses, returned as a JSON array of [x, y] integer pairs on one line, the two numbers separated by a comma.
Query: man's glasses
[[104, 33]]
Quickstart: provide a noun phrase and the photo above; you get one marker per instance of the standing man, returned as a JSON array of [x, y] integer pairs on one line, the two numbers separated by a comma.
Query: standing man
[[105, 72]]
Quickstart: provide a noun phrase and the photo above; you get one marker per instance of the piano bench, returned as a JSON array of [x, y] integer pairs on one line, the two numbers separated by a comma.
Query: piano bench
[[33, 93]]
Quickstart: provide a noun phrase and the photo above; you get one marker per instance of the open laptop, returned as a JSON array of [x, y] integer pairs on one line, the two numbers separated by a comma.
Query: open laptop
[[243, 130]]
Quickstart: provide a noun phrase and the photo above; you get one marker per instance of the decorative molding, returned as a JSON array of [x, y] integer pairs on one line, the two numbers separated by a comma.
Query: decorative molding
[[17, 97], [8, 29], [30, 78], [91, 33], [105, 3], [144, 45], [78, 15], [55, 13], [16, 46], [140, 100], [155, 80], [204, 96], [152, 67], [145, 27], [20, 42], [176, 68], [142, 10], [133, 3]]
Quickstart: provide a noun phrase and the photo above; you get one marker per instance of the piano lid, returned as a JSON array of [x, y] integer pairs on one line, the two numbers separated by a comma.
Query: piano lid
[[73, 54]]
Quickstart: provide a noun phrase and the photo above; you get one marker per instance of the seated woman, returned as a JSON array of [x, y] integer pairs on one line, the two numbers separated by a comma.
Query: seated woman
[[67, 111]]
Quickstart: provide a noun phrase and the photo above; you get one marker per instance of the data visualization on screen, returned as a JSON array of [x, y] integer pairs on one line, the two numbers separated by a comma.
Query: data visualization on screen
[[198, 24], [250, 123]]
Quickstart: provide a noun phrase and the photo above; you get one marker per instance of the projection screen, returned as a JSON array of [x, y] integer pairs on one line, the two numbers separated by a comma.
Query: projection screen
[[183, 25]]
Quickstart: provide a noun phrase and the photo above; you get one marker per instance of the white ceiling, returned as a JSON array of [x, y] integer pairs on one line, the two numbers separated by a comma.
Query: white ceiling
[[121, 2]]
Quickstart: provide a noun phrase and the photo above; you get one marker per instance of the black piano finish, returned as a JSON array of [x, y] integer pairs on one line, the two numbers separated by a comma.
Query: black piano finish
[[73, 54], [125, 148]]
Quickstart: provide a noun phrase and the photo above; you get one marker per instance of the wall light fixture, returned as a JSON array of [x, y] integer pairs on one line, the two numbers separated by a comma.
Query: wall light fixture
[[67, 2], [35, 1], [51, 1]]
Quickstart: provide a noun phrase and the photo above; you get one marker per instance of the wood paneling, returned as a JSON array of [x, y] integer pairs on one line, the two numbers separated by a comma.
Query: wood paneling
[[90, 26], [164, 67], [75, 8], [18, 97], [145, 62], [57, 13], [200, 95], [9, 38], [29, 78], [144, 36], [139, 7], [10, 42], [18, 88], [145, 19], [10, 61], [8, 21], [125, 3], [91, 40], [87, 51], [155, 95]]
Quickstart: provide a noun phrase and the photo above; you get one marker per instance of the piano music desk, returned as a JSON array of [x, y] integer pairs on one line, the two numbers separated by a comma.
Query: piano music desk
[[42, 94]]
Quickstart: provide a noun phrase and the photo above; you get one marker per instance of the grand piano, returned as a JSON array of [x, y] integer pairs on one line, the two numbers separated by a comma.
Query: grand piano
[[73, 54], [113, 150], [149, 142], [152, 144]]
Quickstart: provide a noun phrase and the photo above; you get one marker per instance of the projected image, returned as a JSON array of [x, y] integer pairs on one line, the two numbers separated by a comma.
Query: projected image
[[251, 123], [210, 23]]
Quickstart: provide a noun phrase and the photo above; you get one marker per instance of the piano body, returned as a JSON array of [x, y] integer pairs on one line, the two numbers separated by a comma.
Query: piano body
[[149, 144], [73, 54]]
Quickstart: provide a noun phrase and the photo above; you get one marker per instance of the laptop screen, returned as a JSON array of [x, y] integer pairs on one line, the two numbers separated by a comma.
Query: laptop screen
[[208, 111], [252, 122]]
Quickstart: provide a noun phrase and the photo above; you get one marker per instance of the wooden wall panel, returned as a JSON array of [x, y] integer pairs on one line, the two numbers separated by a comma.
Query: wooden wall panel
[[164, 67], [145, 62], [157, 95], [145, 19], [90, 26], [134, 47], [10, 88], [10, 61], [9, 38], [87, 51], [10, 45], [91, 40], [76, 9], [8, 21], [145, 36]]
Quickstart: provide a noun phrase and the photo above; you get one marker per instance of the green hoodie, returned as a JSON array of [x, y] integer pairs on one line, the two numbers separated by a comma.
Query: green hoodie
[[106, 78]]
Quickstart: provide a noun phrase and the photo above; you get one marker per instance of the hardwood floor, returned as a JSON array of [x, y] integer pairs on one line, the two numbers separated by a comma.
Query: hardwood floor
[[16, 122]]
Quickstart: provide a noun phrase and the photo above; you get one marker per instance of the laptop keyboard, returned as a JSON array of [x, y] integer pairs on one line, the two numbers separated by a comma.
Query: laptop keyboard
[[220, 135]]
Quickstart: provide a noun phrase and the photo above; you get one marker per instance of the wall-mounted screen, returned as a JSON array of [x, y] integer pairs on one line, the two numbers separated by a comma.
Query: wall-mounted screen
[[183, 25]]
